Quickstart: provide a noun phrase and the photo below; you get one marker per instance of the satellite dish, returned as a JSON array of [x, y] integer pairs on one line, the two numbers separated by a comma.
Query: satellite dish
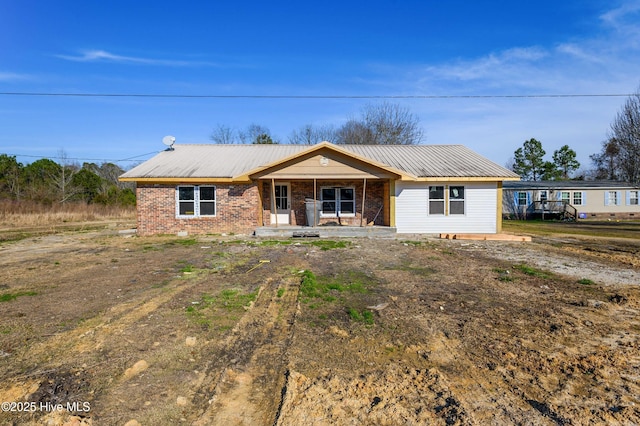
[[169, 141]]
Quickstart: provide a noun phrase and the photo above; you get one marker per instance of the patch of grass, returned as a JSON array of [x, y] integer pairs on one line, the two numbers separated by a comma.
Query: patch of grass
[[309, 285], [329, 288], [7, 297], [422, 271], [187, 268], [269, 243], [280, 292], [184, 242], [361, 316], [533, 272], [503, 274], [203, 312], [585, 281], [325, 245]]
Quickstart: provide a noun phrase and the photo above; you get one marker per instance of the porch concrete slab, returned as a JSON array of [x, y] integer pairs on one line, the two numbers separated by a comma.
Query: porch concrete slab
[[288, 231]]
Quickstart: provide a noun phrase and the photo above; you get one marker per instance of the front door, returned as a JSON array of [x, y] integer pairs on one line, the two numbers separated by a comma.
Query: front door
[[282, 204]]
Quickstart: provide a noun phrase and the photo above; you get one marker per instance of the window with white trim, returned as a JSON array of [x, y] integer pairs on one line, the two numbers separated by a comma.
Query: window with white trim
[[577, 198], [565, 197], [338, 201], [612, 198], [195, 201], [522, 198], [633, 198]]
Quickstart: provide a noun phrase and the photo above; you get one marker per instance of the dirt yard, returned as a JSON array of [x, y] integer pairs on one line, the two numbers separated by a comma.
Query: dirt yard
[[101, 328]]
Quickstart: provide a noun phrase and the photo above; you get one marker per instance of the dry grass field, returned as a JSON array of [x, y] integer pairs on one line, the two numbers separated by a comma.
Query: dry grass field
[[102, 328]]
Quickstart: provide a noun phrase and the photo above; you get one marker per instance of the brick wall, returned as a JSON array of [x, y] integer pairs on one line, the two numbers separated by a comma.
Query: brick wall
[[236, 211], [300, 190]]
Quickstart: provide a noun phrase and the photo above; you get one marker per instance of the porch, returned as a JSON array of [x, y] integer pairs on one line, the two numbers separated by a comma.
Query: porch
[[327, 204], [325, 231]]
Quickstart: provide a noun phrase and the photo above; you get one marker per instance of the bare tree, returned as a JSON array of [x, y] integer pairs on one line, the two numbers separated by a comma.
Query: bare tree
[[224, 135], [310, 135], [63, 179], [625, 129], [384, 124]]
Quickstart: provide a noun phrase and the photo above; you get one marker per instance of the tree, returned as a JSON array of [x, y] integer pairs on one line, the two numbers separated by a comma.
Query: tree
[[625, 129], [87, 185], [606, 162], [10, 174], [310, 135], [37, 179], [384, 124], [263, 139], [564, 160], [223, 135], [354, 132], [529, 162], [256, 134]]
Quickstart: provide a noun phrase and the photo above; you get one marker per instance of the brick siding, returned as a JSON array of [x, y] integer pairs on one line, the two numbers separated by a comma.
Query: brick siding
[[236, 211]]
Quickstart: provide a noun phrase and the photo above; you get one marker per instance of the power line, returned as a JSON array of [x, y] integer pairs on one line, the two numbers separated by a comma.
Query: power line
[[104, 160], [183, 96]]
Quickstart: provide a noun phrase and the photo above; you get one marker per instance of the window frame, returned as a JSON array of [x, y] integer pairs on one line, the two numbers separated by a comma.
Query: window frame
[[612, 198], [573, 198], [338, 201], [522, 198], [198, 201], [448, 200], [634, 201], [453, 200], [432, 201]]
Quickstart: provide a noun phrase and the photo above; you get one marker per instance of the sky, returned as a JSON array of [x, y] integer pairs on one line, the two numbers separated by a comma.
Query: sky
[[486, 74]]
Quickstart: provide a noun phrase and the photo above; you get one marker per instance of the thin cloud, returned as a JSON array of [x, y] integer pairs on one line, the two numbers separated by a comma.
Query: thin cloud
[[104, 56], [10, 76], [624, 16]]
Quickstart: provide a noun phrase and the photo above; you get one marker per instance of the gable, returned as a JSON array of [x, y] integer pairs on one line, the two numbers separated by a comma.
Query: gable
[[324, 164]]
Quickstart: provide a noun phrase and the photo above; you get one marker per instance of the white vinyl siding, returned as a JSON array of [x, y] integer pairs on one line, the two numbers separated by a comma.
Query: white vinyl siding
[[480, 209]]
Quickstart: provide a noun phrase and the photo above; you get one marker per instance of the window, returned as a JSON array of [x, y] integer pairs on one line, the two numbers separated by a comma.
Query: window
[[456, 200], [196, 201], [544, 196], [338, 201], [612, 198], [436, 200], [565, 197], [577, 198], [522, 198], [282, 197], [633, 198]]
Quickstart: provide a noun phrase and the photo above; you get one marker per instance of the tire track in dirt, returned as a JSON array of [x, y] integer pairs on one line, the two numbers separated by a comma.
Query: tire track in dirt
[[244, 392], [92, 334]]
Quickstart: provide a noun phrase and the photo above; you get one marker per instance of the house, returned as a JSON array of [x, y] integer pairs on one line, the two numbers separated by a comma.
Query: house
[[571, 199], [196, 189]]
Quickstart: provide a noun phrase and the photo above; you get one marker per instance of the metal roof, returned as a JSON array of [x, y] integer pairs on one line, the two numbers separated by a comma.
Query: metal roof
[[565, 184], [228, 161]]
